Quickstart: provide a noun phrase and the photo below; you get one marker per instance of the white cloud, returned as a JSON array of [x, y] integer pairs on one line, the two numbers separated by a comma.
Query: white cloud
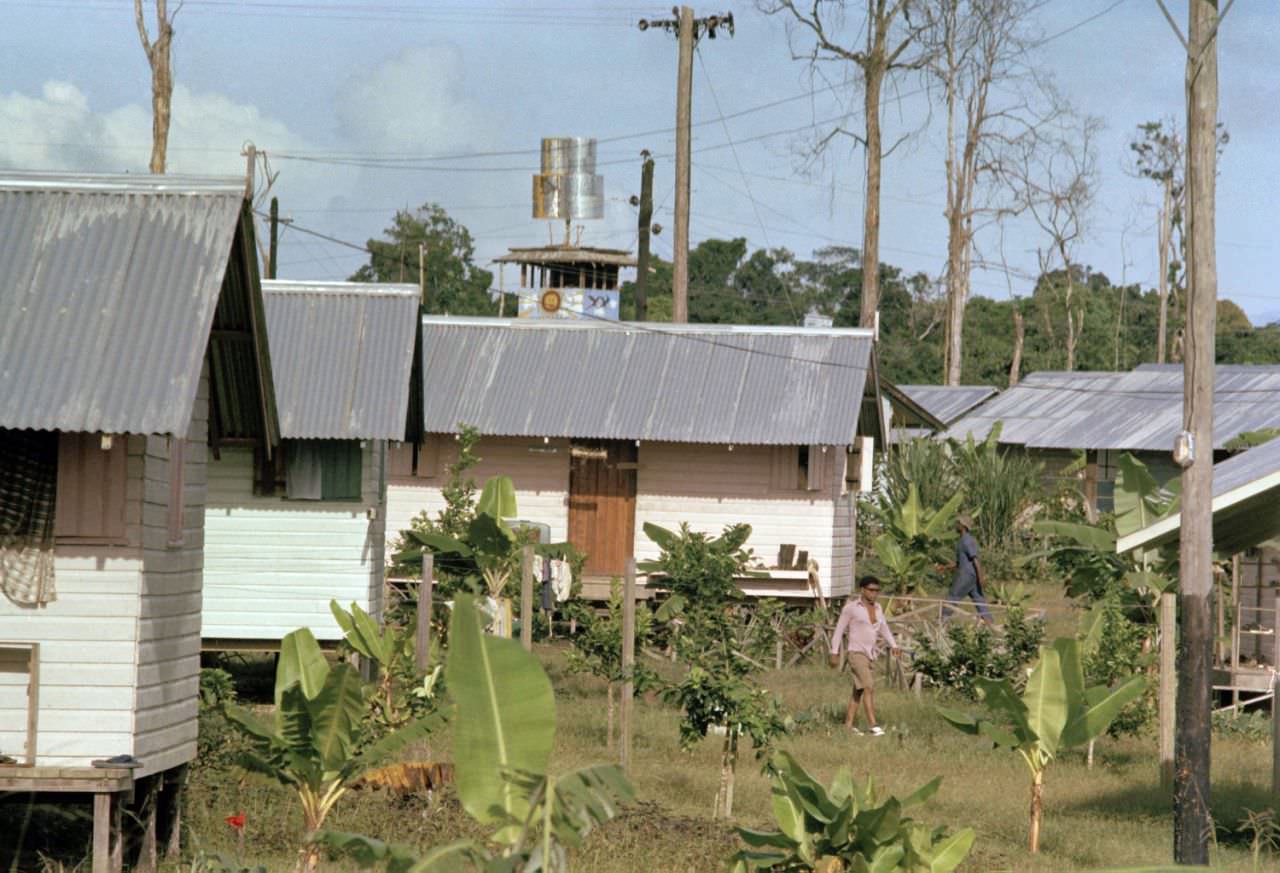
[[413, 101], [59, 130]]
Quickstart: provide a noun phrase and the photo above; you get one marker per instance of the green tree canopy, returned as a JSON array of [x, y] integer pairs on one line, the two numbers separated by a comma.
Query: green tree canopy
[[455, 285]]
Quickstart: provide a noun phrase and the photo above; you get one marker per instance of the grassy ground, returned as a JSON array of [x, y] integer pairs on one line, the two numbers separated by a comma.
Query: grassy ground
[[1114, 815]]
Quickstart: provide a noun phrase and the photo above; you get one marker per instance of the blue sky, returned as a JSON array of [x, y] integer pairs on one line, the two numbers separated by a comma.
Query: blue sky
[[368, 84]]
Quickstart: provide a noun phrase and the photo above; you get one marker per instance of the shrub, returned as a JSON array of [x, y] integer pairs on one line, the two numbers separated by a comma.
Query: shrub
[[1118, 654], [218, 744], [967, 652]]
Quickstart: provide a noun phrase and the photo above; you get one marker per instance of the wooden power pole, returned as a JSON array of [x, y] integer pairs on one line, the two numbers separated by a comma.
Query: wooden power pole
[[688, 29], [273, 251], [642, 234], [1192, 825]]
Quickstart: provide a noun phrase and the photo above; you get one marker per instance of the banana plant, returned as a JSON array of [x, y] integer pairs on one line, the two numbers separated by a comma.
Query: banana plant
[[502, 738], [843, 828], [319, 742], [1055, 713], [488, 553], [913, 535]]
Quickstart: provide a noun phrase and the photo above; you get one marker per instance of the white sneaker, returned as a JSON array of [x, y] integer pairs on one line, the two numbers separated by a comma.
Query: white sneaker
[[857, 732], [877, 731]]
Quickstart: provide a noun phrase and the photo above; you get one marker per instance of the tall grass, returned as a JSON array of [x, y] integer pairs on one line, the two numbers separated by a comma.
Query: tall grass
[[998, 486]]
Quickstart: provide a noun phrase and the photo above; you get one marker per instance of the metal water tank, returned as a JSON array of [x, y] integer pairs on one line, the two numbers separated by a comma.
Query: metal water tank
[[568, 187]]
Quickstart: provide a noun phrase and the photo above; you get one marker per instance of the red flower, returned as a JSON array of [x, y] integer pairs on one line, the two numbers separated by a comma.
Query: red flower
[[236, 821]]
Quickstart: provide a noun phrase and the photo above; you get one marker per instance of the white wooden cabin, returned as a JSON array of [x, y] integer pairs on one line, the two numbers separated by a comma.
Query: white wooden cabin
[[606, 426], [284, 539], [131, 336]]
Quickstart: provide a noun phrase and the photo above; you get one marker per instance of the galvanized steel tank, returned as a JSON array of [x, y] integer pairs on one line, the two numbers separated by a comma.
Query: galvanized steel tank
[[568, 187]]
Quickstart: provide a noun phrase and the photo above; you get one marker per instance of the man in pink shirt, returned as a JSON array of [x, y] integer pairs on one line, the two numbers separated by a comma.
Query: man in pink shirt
[[861, 625]]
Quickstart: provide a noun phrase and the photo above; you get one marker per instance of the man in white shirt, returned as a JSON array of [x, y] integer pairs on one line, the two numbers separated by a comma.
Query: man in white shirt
[[861, 625]]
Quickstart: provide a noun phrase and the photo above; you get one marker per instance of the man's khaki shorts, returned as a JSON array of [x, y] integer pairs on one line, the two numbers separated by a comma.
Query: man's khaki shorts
[[860, 665]]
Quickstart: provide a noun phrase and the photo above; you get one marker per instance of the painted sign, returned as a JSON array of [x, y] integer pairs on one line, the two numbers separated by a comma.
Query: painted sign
[[570, 303]]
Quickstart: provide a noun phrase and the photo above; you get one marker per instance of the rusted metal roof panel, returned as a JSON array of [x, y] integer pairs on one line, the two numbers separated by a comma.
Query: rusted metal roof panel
[[948, 403], [719, 384], [1138, 410], [341, 353], [108, 286]]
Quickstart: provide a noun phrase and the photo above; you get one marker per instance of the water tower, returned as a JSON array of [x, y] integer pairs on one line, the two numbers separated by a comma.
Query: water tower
[[568, 280]]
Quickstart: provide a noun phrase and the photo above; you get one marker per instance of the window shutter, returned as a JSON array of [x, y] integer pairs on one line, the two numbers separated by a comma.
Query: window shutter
[[340, 470], [91, 489], [816, 474]]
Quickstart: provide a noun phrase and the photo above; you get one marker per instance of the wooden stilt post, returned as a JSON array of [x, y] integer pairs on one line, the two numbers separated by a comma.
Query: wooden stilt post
[[526, 598], [102, 832], [171, 811], [1168, 684], [628, 662], [1235, 629], [148, 857], [422, 641]]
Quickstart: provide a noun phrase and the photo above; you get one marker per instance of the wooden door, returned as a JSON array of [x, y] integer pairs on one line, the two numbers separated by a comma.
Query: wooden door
[[602, 503]]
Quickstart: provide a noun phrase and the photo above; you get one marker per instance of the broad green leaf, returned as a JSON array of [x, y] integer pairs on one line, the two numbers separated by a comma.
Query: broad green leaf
[[301, 663], [890, 553], [343, 618], [1072, 673], [249, 722], [886, 859], [765, 839], [506, 716], [455, 857], [335, 716], [841, 786], [1046, 700], [1094, 721], [489, 536], [1001, 698], [788, 812], [498, 498], [660, 535], [585, 798], [1096, 538], [293, 721], [440, 543], [921, 794], [1091, 624], [960, 720], [393, 742], [999, 736], [949, 855], [375, 639], [941, 520], [368, 852]]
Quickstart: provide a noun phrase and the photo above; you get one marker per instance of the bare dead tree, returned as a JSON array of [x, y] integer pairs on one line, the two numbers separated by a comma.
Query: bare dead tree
[[158, 56], [1158, 155], [817, 34], [975, 46], [1053, 178]]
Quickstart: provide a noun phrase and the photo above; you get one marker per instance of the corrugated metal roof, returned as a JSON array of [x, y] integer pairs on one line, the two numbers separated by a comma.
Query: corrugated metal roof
[[1246, 504], [680, 383], [949, 402], [341, 353], [1138, 410], [108, 286]]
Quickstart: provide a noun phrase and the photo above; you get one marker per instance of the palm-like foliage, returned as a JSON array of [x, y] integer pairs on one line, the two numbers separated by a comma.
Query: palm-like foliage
[[318, 743], [1054, 713], [502, 742], [843, 828]]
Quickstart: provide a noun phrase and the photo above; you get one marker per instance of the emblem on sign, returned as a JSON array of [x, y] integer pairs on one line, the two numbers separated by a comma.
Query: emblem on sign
[[550, 301]]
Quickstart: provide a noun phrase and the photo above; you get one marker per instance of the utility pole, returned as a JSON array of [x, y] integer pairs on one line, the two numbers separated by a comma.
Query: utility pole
[[250, 153], [646, 218], [422, 277], [1192, 825], [688, 29], [275, 238]]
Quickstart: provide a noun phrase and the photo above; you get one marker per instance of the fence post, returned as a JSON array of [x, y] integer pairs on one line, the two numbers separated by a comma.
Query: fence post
[[422, 643], [628, 663], [1168, 684], [526, 598]]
